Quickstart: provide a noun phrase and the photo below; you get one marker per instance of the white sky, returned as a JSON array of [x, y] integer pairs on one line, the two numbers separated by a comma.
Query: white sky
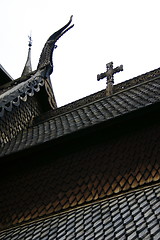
[[123, 31]]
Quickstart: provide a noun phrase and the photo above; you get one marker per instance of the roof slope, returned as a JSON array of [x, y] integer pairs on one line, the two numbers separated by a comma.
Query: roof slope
[[133, 216], [4, 75], [70, 179], [58, 124]]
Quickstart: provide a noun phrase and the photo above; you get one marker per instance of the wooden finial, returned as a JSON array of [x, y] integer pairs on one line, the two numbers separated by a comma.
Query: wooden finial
[[28, 66], [30, 41]]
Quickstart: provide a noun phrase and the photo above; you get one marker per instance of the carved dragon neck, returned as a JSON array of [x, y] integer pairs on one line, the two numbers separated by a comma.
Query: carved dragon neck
[[45, 61]]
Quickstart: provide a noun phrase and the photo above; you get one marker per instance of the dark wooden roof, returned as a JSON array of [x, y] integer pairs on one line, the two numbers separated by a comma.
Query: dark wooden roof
[[76, 189], [87, 113], [53, 180], [131, 216], [4, 76]]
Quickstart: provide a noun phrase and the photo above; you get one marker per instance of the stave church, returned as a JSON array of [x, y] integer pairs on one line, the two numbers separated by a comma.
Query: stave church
[[87, 170]]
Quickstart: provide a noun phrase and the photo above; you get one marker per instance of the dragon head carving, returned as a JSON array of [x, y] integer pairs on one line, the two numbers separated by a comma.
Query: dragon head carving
[[45, 61]]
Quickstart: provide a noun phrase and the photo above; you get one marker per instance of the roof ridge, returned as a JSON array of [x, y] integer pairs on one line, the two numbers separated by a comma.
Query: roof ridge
[[145, 77], [120, 87], [96, 97]]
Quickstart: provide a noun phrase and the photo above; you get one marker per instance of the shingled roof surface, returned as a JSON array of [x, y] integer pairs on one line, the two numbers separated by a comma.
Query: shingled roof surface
[[70, 179], [131, 216], [47, 202], [60, 123]]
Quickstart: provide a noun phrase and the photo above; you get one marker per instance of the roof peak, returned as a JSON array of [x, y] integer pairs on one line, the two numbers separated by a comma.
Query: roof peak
[[28, 66]]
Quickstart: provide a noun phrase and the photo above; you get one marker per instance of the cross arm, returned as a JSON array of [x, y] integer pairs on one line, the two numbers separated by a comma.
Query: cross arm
[[118, 69], [101, 76]]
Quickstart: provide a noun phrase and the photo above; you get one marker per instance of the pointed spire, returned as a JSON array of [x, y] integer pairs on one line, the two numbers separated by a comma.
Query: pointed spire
[[28, 67]]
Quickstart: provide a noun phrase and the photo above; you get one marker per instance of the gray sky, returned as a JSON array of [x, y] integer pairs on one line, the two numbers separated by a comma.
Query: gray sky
[[123, 31]]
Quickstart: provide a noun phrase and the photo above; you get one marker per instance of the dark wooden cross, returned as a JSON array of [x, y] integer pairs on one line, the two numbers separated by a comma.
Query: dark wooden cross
[[109, 74]]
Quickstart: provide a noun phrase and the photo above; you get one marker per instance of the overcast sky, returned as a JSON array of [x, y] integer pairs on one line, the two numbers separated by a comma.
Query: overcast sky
[[123, 31]]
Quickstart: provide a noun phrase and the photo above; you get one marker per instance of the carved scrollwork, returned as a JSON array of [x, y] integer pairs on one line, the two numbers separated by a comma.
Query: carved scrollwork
[[21, 93]]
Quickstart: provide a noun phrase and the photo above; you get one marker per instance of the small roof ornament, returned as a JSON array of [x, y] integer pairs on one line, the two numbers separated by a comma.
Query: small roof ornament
[[109, 74], [28, 66], [30, 41]]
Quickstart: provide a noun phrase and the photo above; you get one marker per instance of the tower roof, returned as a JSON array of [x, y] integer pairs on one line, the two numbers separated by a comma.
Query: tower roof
[[28, 66]]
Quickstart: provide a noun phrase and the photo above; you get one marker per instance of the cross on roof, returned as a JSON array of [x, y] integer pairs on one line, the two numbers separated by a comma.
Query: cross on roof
[[109, 74]]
